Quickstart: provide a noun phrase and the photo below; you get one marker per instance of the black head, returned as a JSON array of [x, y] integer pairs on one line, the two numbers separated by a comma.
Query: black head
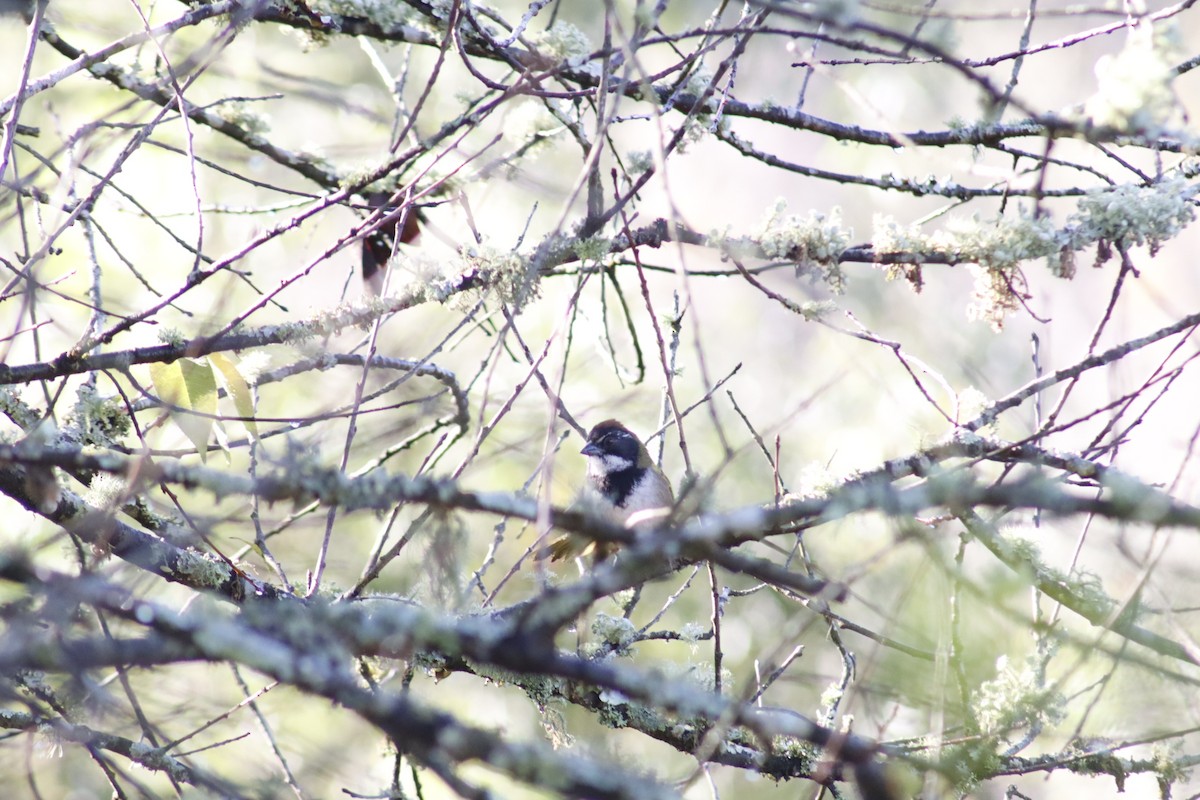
[[613, 445]]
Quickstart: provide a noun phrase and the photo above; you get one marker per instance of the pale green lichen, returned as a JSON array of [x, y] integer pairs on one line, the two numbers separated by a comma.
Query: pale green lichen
[[542, 689], [816, 309], [12, 406], [639, 161], [692, 632], [996, 294], [1018, 697], [99, 420], [358, 177], [697, 84], [1134, 93], [1135, 215], [615, 631], [700, 120], [385, 13], [555, 726], [1088, 590], [106, 491], [993, 247], [171, 336], [239, 114], [804, 755], [200, 570], [142, 752], [1164, 756], [623, 598], [722, 239], [563, 43], [1019, 552], [815, 242], [971, 403], [816, 481], [593, 249], [1003, 243], [831, 697], [513, 275], [966, 764], [1022, 554], [441, 9], [1129, 214], [618, 711]]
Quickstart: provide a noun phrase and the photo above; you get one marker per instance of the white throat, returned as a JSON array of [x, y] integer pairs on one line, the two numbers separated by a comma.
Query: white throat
[[600, 467]]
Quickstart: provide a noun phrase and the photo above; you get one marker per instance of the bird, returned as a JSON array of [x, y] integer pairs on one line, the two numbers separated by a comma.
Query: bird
[[623, 486], [378, 246]]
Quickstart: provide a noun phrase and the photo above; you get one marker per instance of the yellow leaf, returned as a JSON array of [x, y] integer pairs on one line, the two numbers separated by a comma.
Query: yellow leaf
[[190, 386], [237, 388]]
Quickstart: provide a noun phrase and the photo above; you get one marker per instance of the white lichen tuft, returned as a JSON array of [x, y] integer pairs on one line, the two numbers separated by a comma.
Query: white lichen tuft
[[700, 121], [996, 294], [1134, 93], [971, 403], [99, 420], [513, 275], [999, 244], [1129, 214], [239, 114], [1135, 215], [814, 310], [692, 631], [615, 631], [815, 242], [697, 84], [817, 481], [171, 336], [385, 13], [639, 161], [594, 249], [48, 743], [441, 9], [106, 491], [563, 43], [1017, 697], [200, 570]]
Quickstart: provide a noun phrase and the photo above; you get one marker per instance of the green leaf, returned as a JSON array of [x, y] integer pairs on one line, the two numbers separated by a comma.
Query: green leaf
[[237, 388], [191, 386]]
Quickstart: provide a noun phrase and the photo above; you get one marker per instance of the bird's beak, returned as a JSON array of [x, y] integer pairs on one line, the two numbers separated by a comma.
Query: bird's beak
[[591, 449]]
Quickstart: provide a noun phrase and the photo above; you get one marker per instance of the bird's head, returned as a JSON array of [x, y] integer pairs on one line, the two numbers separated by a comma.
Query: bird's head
[[611, 447]]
